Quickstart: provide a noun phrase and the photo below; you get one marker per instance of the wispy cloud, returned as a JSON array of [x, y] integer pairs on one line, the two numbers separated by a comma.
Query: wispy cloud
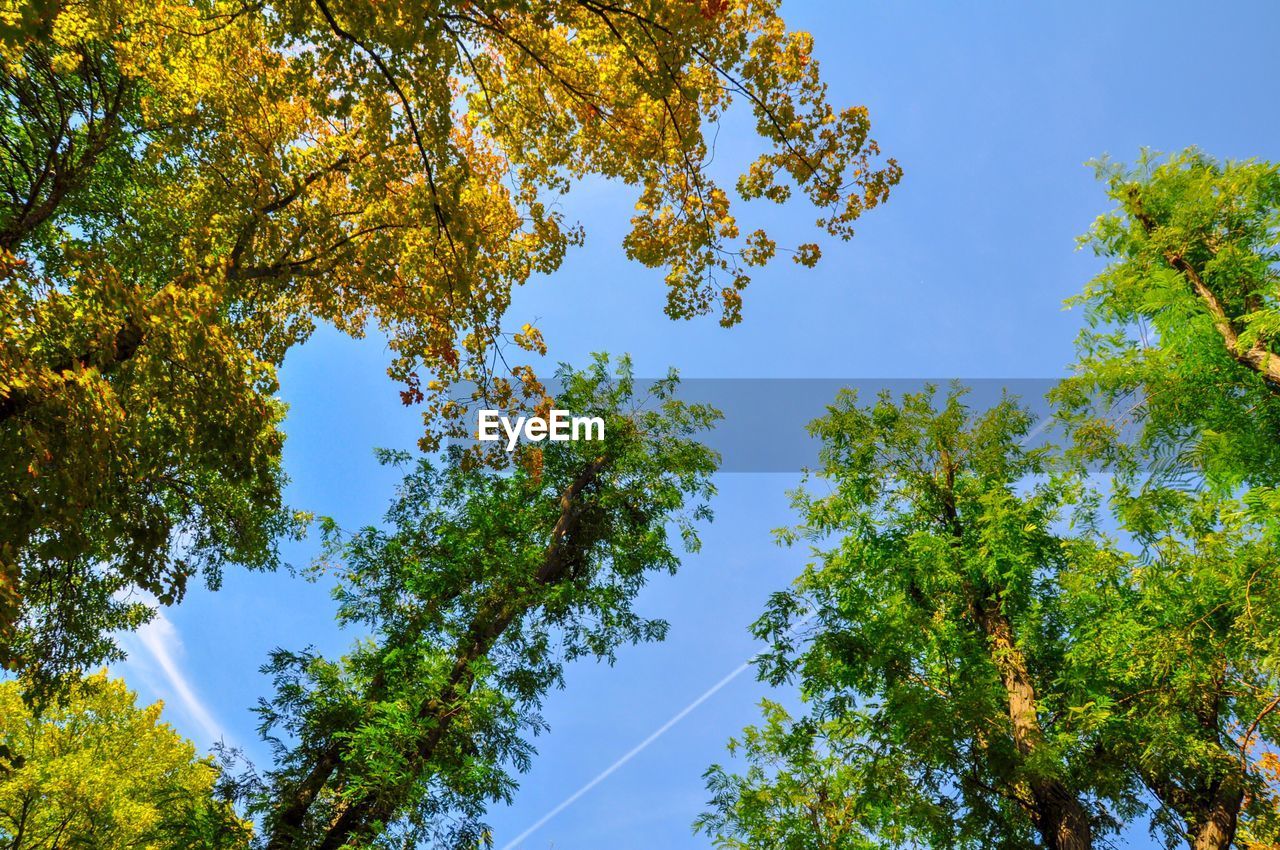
[[162, 645]]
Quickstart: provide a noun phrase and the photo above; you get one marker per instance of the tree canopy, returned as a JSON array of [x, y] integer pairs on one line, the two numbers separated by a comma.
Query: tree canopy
[[1181, 342], [984, 665], [999, 646], [1175, 395], [935, 641], [481, 586], [189, 188], [98, 770]]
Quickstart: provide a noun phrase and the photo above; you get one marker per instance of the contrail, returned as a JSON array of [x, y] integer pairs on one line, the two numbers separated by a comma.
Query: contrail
[[632, 753], [640, 747]]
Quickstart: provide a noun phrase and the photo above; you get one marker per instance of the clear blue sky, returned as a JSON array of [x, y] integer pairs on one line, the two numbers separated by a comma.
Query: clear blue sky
[[993, 112]]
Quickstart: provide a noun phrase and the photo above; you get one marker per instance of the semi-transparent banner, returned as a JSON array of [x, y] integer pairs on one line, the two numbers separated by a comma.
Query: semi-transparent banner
[[764, 425]]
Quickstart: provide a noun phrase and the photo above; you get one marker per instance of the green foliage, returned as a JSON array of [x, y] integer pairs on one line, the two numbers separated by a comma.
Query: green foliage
[[1180, 345], [799, 792], [1178, 648], [991, 635], [473, 595], [99, 771], [927, 633], [1178, 395], [973, 647], [139, 434]]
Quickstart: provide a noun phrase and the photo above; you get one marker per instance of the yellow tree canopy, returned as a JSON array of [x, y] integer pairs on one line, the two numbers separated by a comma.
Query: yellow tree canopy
[[189, 187], [99, 768]]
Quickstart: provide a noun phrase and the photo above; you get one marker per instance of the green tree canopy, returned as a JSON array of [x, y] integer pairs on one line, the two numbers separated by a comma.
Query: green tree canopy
[[1176, 394], [799, 792], [1183, 322], [1177, 644], [993, 639], [479, 588], [933, 658]]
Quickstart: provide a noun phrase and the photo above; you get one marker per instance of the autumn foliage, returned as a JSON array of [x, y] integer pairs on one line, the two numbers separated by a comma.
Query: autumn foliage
[[190, 188]]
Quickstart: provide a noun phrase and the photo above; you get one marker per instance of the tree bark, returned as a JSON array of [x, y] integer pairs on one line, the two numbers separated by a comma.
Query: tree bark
[[1216, 828], [1061, 820], [1059, 817]]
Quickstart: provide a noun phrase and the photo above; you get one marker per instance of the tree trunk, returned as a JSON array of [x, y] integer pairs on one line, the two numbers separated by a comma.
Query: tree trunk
[[1216, 829], [1061, 820]]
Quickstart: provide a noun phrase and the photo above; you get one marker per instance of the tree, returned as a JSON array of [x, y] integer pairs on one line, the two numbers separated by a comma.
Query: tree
[[189, 188], [1135, 647], [138, 435], [933, 659], [477, 590], [1179, 354], [799, 791], [1177, 648], [1183, 322], [100, 771]]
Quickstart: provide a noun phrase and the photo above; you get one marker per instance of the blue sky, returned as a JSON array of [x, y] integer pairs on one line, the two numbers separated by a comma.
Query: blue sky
[[993, 113]]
